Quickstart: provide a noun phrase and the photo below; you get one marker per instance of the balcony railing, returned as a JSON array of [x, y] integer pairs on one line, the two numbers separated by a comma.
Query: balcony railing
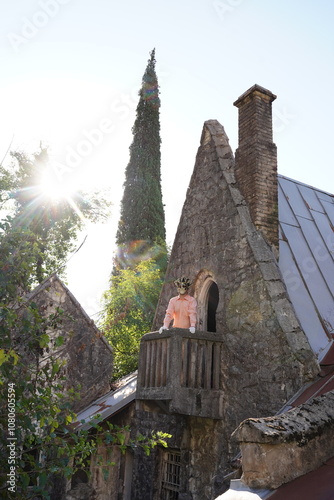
[[183, 371]]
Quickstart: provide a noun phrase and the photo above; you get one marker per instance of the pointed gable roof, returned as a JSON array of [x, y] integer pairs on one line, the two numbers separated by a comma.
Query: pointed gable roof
[[53, 282]]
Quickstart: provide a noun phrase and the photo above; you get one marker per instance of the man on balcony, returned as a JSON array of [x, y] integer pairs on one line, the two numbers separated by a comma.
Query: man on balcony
[[182, 308]]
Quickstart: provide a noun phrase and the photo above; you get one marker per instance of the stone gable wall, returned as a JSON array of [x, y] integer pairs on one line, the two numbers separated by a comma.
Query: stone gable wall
[[87, 356], [266, 357]]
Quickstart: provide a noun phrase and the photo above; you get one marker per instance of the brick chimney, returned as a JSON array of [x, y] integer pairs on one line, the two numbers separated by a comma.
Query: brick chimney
[[256, 160]]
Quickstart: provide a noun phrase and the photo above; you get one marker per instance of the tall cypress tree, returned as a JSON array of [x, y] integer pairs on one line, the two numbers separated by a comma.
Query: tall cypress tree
[[141, 259], [142, 216]]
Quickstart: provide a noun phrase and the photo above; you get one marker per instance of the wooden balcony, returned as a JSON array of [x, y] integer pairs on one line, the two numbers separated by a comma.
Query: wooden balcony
[[182, 371]]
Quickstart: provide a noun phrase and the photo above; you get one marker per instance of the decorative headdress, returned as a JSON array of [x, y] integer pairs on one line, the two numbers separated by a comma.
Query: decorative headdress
[[183, 283]]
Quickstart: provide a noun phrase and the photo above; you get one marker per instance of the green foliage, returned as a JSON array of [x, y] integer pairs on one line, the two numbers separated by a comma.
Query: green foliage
[[37, 438], [35, 219], [142, 213], [38, 442], [34, 411], [130, 308], [148, 443], [141, 259]]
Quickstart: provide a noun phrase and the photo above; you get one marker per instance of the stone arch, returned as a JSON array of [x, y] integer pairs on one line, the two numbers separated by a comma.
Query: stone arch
[[207, 296]]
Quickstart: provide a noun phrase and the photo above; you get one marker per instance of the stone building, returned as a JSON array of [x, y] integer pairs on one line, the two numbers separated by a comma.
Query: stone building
[[87, 356], [117, 407], [259, 249], [291, 453]]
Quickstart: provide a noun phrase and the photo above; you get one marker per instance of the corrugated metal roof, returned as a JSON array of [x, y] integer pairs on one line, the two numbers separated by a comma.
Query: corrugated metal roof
[[109, 404], [306, 258]]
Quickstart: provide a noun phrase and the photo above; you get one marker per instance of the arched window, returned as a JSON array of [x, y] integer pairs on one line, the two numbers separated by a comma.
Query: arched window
[[212, 304], [208, 299]]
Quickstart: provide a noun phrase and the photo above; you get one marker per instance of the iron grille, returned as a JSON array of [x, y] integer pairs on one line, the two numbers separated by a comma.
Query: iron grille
[[171, 476]]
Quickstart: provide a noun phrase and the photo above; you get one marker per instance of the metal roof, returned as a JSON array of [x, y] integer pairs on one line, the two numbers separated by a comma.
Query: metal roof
[[316, 485], [306, 261], [110, 403], [306, 258]]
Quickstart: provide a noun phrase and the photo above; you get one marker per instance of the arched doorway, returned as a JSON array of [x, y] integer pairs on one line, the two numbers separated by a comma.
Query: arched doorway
[[212, 304], [207, 296]]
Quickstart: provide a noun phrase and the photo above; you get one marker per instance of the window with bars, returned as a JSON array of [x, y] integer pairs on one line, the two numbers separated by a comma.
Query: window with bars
[[171, 468]]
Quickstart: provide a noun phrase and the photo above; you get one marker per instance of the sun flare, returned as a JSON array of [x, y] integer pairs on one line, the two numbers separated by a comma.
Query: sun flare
[[58, 191], [55, 189]]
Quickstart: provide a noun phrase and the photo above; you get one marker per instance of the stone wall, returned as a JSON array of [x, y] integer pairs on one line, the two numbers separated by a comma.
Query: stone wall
[[112, 480], [222, 238], [201, 445], [87, 355], [113, 484], [266, 357], [147, 469], [278, 449], [207, 466]]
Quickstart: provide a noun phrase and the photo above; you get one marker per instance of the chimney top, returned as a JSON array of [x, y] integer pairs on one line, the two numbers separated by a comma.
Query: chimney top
[[256, 160], [256, 90]]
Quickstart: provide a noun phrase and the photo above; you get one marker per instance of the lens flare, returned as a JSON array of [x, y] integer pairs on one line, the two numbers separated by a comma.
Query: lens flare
[[130, 254], [55, 189]]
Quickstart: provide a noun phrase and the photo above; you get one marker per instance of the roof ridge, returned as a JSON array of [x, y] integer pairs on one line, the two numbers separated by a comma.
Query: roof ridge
[[304, 184]]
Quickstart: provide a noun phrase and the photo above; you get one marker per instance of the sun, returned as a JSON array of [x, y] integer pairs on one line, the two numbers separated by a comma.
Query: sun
[[56, 189]]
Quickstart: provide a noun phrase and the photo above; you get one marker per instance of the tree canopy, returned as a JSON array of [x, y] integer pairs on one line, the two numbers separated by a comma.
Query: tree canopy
[[131, 304], [39, 447], [34, 218]]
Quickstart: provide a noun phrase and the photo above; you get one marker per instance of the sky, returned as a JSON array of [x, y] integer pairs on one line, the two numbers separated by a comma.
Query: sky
[[71, 71]]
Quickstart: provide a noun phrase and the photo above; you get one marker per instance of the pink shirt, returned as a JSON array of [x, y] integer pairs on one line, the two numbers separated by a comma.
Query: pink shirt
[[182, 311]]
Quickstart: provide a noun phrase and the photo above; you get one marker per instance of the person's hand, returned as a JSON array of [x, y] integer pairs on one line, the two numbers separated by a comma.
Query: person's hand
[[192, 329], [162, 329]]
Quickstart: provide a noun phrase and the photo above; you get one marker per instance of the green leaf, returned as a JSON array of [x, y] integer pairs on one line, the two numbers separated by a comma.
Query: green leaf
[[68, 419], [15, 357], [24, 477], [68, 471], [42, 479], [59, 341], [44, 340], [120, 437], [3, 356]]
